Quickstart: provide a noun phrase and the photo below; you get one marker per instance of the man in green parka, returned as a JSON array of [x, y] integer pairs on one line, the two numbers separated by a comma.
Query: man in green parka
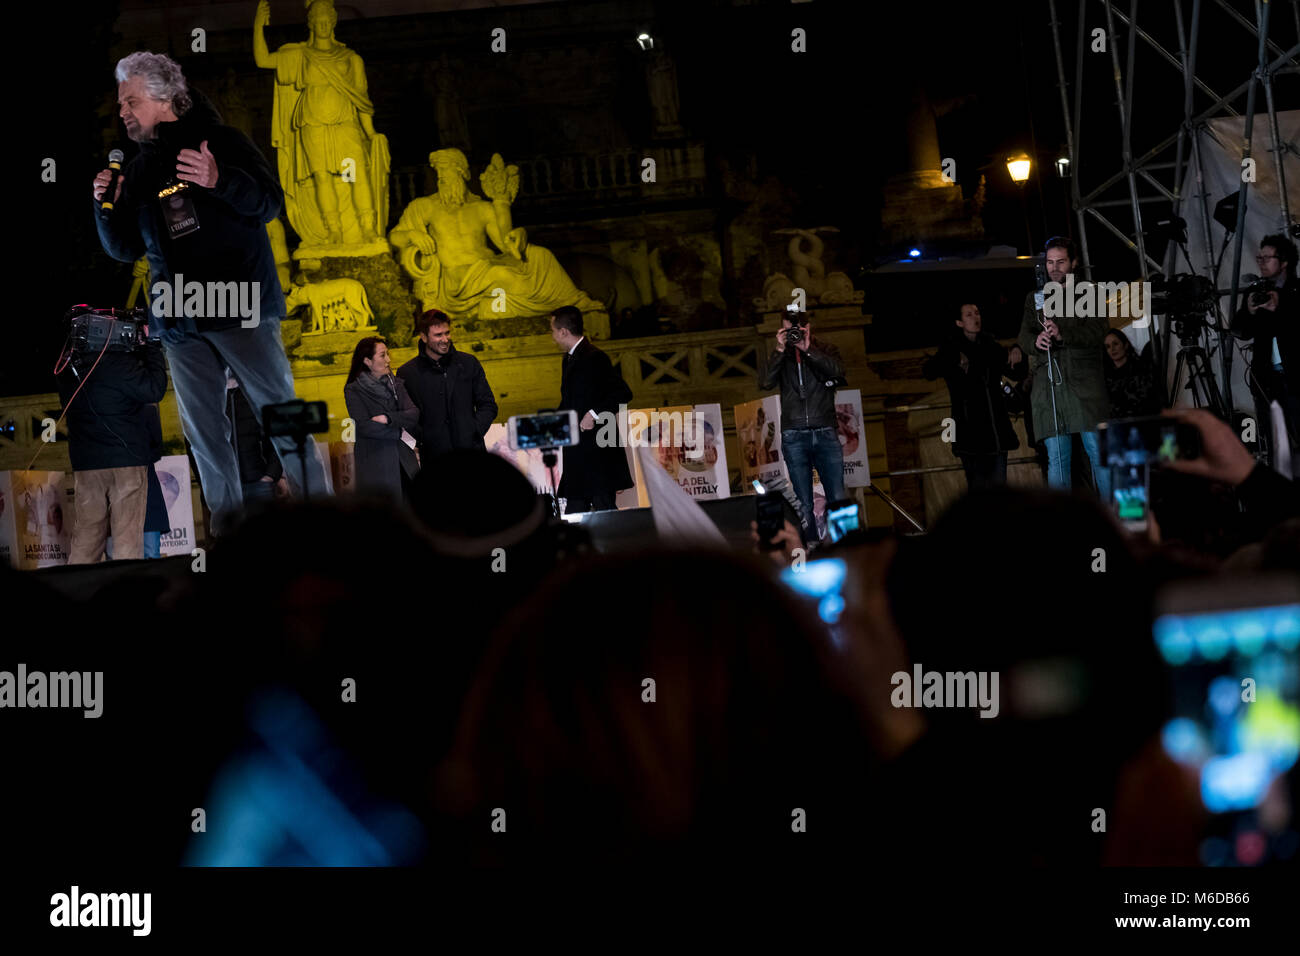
[[1065, 357]]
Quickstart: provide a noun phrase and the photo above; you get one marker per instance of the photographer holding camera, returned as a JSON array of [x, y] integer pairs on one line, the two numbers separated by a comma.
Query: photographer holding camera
[[110, 446], [1271, 316], [808, 372]]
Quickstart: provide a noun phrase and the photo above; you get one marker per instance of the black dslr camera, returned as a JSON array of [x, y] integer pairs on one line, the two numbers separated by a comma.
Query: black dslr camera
[[798, 322], [1259, 291]]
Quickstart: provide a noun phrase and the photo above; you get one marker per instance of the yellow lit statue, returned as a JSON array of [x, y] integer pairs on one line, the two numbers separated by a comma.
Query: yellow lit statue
[[321, 121], [443, 242]]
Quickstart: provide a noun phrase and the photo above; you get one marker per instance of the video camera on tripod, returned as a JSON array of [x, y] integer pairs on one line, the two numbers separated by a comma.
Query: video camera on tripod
[[107, 330], [1186, 299]]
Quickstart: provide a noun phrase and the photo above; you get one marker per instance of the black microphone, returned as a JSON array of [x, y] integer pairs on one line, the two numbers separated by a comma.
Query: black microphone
[[115, 164]]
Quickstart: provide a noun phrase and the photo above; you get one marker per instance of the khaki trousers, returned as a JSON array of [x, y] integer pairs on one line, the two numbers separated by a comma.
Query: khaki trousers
[[104, 495]]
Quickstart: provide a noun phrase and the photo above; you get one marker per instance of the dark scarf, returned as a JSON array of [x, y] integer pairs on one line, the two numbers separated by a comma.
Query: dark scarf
[[383, 390]]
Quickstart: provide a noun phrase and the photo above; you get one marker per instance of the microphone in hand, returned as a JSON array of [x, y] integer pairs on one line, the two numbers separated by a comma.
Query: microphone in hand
[[114, 183]]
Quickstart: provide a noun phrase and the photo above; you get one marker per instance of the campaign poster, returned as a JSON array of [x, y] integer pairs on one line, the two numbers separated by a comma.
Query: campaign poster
[[174, 478], [758, 433], [343, 466], [853, 437], [38, 533], [8, 535], [688, 444]]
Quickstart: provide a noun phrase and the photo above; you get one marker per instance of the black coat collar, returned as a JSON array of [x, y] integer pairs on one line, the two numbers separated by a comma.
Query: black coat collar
[[442, 366]]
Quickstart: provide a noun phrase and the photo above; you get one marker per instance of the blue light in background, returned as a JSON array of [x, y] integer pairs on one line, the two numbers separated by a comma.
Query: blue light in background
[[822, 580], [1184, 742], [294, 799], [1181, 637], [1236, 782]]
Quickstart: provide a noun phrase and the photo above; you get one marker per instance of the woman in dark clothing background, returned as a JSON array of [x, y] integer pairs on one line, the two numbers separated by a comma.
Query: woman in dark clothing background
[[1130, 380], [386, 421]]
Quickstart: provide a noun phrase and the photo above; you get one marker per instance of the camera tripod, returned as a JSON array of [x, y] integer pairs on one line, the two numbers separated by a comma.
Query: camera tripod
[[1193, 359]]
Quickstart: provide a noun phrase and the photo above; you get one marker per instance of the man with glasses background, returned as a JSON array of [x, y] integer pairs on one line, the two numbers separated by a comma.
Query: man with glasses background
[[1272, 319]]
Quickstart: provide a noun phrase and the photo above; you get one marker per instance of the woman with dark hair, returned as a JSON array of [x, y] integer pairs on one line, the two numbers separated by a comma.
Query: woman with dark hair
[[1130, 382], [386, 420]]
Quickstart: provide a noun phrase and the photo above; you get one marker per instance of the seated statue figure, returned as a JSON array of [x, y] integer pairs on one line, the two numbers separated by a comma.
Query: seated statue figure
[[443, 243]]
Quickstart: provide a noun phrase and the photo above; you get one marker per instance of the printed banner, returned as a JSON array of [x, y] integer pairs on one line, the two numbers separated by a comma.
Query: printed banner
[[853, 437], [8, 534], [343, 467], [758, 432], [688, 444], [36, 515], [174, 478]]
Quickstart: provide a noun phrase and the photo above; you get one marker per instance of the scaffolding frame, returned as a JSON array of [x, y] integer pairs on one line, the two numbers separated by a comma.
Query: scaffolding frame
[[1188, 197]]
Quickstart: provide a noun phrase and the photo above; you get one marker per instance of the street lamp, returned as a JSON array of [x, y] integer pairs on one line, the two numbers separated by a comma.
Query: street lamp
[[1018, 168]]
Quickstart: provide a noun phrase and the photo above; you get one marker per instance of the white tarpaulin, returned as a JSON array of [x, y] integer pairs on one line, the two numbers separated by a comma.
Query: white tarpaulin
[[1222, 147]]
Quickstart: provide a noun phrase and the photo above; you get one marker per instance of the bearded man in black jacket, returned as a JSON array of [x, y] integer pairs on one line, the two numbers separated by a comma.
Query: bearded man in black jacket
[[196, 201], [449, 388]]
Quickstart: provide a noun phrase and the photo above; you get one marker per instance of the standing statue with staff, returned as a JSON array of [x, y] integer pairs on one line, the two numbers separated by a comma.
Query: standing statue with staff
[[332, 163]]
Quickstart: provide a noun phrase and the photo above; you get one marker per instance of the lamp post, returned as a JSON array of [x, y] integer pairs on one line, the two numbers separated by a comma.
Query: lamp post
[[1018, 167]]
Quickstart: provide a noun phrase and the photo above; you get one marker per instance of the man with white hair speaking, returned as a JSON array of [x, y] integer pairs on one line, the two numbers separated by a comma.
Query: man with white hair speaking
[[196, 201]]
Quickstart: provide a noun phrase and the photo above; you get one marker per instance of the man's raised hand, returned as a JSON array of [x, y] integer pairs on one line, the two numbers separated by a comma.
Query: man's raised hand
[[197, 166]]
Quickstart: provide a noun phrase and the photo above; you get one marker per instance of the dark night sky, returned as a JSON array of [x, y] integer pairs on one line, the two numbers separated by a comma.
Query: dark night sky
[[829, 122]]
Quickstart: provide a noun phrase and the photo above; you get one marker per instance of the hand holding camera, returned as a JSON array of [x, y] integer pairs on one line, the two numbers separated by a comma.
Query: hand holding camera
[[795, 334], [1262, 299]]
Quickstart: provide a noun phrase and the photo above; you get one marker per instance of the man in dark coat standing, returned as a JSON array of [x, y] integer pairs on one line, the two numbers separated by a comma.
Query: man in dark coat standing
[[971, 361], [110, 446], [1273, 321], [590, 386], [1065, 355], [449, 388]]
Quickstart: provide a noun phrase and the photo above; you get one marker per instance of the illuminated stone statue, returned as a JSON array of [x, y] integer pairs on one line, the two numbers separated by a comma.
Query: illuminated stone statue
[[336, 305], [443, 243], [139, 283], [332, 164], [810, 275]]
